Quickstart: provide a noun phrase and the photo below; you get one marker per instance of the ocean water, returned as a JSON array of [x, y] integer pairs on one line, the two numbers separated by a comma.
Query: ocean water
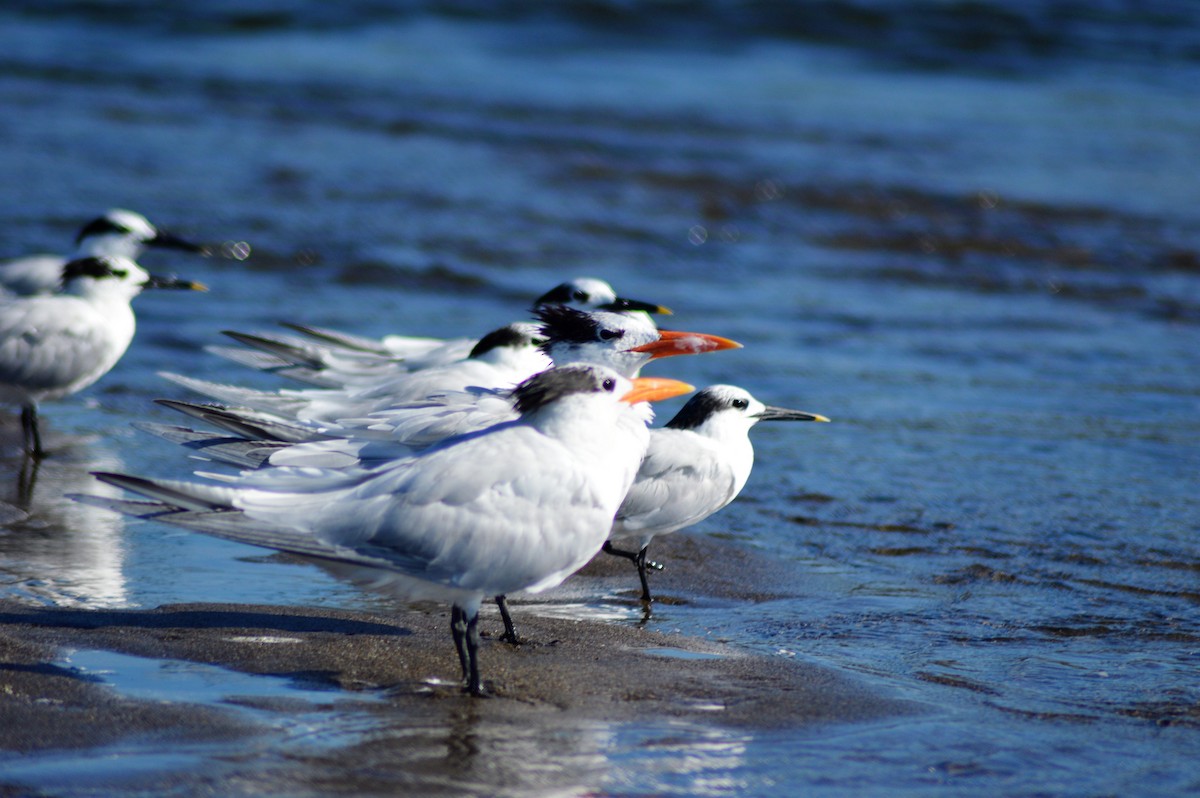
[[967, 232]]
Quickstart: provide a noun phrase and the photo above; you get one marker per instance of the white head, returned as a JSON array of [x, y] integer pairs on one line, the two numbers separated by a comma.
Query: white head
[[587, 395], [729, 410], [621, 341], [591, 293], [126, 234], [114, 276], [515, 345]]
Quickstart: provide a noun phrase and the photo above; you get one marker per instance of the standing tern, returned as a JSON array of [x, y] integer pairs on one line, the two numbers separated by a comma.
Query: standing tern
[[56, 344], [520, 506], [694, 466], [118, 232]]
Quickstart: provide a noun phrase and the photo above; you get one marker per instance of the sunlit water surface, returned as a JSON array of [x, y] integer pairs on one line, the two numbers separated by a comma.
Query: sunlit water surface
[[968, 235]]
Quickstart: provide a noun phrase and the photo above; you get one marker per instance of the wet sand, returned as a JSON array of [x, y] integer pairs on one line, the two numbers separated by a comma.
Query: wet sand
[[573, 672]]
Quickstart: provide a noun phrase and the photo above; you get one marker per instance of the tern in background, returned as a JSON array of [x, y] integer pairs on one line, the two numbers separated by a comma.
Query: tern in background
[[520, 506], [56, 344], [694, 466], [119, 232], [332, 359], [421, 408]]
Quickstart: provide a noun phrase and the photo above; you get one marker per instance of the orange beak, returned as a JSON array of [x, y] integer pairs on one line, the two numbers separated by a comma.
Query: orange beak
[[673, 342], [655, 389]]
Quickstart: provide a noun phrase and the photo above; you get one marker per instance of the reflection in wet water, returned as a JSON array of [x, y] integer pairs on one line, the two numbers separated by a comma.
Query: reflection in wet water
[[55, 550], [482, 748]]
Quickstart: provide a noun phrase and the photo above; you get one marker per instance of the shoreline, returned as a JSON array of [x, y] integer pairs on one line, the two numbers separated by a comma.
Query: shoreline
[[581, 669]]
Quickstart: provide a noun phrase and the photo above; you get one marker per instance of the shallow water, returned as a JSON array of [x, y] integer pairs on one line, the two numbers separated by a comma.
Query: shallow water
[[966, 233]]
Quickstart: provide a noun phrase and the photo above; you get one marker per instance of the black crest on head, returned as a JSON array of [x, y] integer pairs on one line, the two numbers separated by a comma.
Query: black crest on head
[[561, 323], [550, 386], [89, 267], [99, 227], [562, 294], [700, 408], [510, 336]]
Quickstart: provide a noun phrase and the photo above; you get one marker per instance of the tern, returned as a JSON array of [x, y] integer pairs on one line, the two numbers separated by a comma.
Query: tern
[[622, 341], [619, 341], [694, 466], [56, 344], [333, 359], [118, 232], [339, 428], [520, 506]]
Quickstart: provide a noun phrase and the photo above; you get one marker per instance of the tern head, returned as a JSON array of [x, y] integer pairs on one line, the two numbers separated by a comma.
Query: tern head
[[620, 341], [125, 233], [567, 383], [113, 275], [521, 335], [590, 293], [721, 408], [515, 345]]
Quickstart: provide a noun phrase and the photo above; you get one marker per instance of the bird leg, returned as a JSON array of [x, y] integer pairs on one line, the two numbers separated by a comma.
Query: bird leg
[[638, 558], [458, 628], [510, 631], [640, 561], [466, 641], [26, 481], [29, 426]]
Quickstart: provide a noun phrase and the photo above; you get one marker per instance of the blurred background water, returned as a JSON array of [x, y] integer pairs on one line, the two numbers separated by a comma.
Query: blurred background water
[[967, 231]]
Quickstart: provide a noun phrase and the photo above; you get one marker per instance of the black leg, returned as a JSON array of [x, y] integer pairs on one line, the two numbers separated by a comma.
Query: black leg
[[638, 558], [466, 642], [510, 631], [458, 628], [26, 480], [474, 685], [640, 561], [29, 426], [609, 548]]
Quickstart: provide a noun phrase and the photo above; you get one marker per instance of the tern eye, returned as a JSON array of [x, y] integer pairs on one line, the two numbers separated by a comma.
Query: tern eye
[[580, 296], [120, 274], [609, 385], [609, 335], [741, 404]]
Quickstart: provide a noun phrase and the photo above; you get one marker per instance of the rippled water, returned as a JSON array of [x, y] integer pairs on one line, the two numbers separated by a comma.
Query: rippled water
[[967, 232]]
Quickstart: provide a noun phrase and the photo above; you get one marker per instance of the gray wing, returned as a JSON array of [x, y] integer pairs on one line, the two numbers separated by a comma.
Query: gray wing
[[54, 346], [235, 526], [679, 484], [34, 274]]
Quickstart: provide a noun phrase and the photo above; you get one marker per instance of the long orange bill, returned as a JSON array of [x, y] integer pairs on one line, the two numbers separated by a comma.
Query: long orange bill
[[655, 389], [673, 342]]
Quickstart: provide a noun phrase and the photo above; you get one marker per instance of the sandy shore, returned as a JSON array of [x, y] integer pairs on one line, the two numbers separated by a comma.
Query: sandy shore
[[573, 672]]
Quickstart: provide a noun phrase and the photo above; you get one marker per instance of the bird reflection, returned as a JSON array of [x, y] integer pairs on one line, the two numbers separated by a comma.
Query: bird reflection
[[53, 550]]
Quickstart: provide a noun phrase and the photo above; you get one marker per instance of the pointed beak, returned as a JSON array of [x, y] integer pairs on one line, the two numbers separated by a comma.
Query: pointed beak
[[621, 304], [655, 389], [673, 342], [783, 414], [165, 240], [158, 281]]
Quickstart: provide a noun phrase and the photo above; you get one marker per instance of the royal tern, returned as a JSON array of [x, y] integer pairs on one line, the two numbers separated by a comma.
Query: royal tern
[[119, 232], [499, 360], [56, 344], [333, 359], [694, 466], [519, 506], [417, 410], [624, 342]]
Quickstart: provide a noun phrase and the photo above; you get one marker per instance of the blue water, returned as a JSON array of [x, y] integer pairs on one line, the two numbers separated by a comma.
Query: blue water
[[969, 233]]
